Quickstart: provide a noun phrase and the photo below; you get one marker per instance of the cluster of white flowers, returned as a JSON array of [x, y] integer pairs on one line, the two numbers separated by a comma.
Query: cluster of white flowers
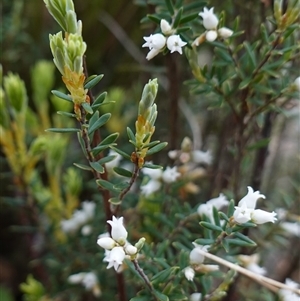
[[245, 211], [207, 208], [211, 22], [117, 248], [79, 219], [157, 176], [251, 263], [88, 280], [196, 260], [157, 42], [287, 295]]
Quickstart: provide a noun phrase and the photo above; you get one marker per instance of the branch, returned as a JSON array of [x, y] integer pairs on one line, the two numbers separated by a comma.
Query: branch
[[264, 281]]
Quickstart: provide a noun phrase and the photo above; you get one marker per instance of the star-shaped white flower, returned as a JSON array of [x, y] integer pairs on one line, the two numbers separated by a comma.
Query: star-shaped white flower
[[174, 43], [210, 20]]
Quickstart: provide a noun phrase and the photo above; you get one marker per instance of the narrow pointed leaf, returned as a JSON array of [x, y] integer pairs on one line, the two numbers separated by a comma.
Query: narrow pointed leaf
[[130, 134], [170, 6], [122, 172], [99, 100], [178, 18], [82, 166], [152, 166], [154, 18], [123, 154], [93, 82], [98, 167], [81, 142], [211, 226], [107, 159], [68, 114], [156, 148], [62, 95], [245, 238], [100, 122], [106, 185], [87, 108]]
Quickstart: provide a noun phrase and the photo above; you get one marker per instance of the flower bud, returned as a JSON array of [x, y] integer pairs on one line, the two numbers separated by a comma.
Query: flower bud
[[211, 35], [106, 243], [225, 32], [118, 231], [165, 27]]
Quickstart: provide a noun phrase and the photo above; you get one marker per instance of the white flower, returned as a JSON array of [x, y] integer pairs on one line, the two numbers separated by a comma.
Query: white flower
[[195, 256], [260, 216], [165, 27], [242, 214], [251, 198], [88, 280], [207, 208], [69, 226], [210, 20], [199, 156], [195, 297], [155, 43], [251, 263], [114, 257], [211, 35], [174, 43], [189, 273], [218, 202], [106, 243], [130, 250], [288, 295], [225, 32], [291, 228], [170, 175], [297, 83], [151, 187], [118, 231]]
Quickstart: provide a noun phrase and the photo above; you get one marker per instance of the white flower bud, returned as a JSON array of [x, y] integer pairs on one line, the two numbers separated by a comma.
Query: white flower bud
[[195, 297], [106, 243], [196, 257], [189, 273], [165, 27], [225, 32], [211, 35], [130, 250]]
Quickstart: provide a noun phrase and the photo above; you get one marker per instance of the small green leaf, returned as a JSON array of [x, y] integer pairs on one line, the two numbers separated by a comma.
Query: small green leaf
[[222, 215], [105, 143], [90, 84], [99, 100], [238, 242], [107, 159], [188, 18], [245, 83], [154, 18], [162, 276], [245, 238], [177, 20], [152, 166], [68, 114], [160, 296], [151, 144], [251, 54], [211, 226], [87, 107], [123, 154], [106, 185], [81, 142], [204, 241], [98, 167], [230, 208], [122, 172], [64, 130], [115, 201], [94, 118], [130, 135], [156, 148], [170, 6], [216, 217], [62, 95], [100, 122], [82, 166]]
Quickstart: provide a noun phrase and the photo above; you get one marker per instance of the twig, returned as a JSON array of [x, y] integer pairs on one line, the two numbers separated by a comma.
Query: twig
[[142, 274], [265, 281], [132, 180]]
